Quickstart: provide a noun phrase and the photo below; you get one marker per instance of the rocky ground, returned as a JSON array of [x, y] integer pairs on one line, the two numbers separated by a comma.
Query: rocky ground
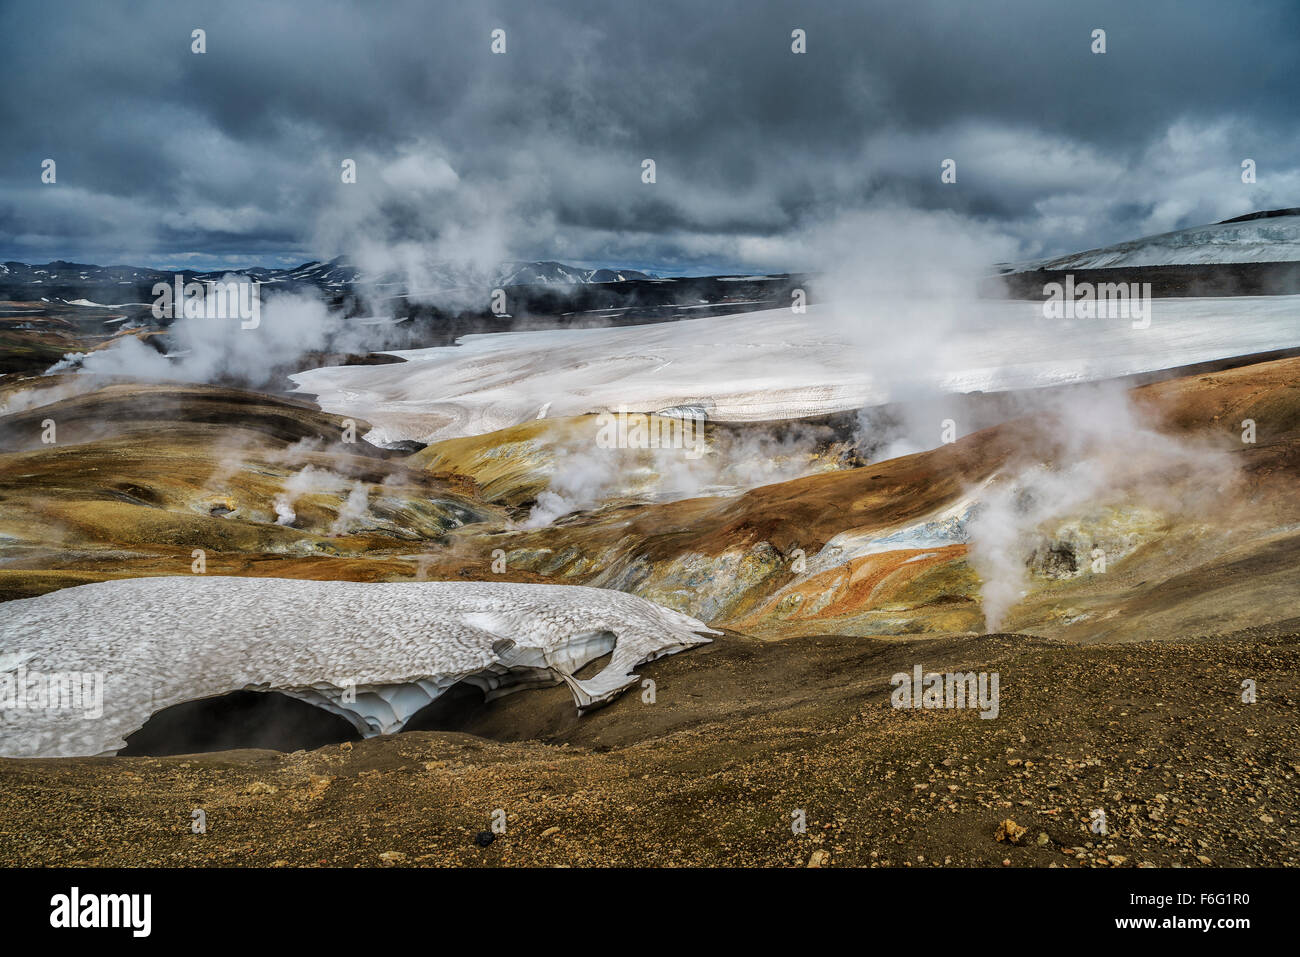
[[742, 735]]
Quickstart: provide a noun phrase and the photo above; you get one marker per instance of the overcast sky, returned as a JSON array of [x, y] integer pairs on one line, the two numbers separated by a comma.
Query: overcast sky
[[167, 157]]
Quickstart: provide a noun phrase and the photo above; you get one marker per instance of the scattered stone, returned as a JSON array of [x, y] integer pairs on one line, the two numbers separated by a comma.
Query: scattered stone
[[1009, 830]]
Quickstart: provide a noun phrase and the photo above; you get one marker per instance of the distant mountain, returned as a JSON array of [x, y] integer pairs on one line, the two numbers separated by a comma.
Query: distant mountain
[[1253, 255], [61, 307], [1270, 236], [528, 274], [336, 275]]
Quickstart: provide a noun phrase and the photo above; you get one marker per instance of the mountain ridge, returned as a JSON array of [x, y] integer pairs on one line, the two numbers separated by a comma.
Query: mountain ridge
[[334, 274]]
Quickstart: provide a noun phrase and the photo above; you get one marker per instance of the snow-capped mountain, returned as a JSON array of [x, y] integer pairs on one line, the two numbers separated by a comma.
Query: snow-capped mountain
[[548, 272], [1265, 237], [336, 276]]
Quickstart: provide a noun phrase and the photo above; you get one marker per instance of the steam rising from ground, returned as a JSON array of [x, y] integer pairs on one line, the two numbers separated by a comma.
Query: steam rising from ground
[[1102, 453], [352, 510], [307, 482], [901, 286], [586, 476], [899, 282], [21, 400], [220, 350], [312, 481]]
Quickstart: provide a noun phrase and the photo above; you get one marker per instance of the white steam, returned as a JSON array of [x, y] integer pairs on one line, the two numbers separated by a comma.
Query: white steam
[[309, 481], [221, 350], [1101, 453], [353, 509], [586, 476], [411, 220]]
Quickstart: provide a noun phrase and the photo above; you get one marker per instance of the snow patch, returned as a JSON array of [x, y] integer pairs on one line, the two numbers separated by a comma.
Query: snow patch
[[775, 364], [1274, 239], [393, 646]]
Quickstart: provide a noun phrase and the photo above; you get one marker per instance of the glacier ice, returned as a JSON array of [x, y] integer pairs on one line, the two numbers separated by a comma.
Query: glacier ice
[[375, 653], [775, 364]]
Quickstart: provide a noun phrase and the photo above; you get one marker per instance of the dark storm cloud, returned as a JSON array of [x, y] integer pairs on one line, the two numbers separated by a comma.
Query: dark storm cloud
[[235, 153]]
